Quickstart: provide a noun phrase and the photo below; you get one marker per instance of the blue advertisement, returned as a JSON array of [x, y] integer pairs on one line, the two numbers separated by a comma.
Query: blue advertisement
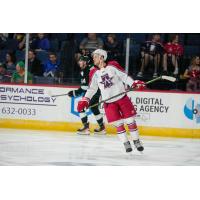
[[74, 102], [192, 110]]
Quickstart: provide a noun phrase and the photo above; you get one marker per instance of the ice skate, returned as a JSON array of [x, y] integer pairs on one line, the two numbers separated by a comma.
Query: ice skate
[[100, 131], [84, 130], [140, 74], [128, 147], [138, 145]]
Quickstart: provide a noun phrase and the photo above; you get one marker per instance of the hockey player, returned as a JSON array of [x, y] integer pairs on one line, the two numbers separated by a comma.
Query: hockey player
[[86, 68], [111, 79]]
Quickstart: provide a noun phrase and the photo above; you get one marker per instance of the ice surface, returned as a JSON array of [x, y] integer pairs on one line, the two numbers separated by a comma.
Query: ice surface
[[27, 147]]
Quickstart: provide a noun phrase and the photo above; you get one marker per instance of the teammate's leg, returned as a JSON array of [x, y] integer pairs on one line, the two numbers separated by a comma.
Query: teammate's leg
[[99, 119], [98, 115], [85, 129]]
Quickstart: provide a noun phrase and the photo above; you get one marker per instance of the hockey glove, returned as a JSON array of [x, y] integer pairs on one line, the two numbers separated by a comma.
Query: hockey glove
[[140, 85], [83, 104], [71, 93]]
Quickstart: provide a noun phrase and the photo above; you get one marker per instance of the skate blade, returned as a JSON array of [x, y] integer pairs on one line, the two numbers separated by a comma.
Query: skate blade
[[129, 154], [140, 152], [83, 133], [100, 133]]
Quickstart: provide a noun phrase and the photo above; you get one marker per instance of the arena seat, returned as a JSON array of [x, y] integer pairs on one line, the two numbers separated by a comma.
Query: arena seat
[[121, 36], [191, 50], [181, 38], [60, 36], [193, 39], [54, 45], [79, 37], [11, 45], [138, 38], [135, 50]]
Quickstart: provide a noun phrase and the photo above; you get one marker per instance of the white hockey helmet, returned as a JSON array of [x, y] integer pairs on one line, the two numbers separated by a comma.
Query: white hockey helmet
[[100, 52]]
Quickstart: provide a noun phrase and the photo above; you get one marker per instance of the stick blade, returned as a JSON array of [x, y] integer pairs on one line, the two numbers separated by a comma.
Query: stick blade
[[169, 78]]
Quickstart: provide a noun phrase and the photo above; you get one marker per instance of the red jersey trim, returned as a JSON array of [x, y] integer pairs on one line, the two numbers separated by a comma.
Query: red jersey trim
[[91, 74], [116, 65]]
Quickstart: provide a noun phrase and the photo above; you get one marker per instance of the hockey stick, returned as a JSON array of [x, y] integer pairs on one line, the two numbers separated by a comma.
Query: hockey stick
[[59, 95], [168, 78]]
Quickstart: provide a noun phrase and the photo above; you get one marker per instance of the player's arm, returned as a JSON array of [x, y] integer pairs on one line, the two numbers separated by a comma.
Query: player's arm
[[75, 93]]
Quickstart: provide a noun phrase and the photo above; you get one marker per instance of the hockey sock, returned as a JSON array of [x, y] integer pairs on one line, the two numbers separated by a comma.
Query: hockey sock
[[133, 130], [99, 119], [121, 132], [84, 118]]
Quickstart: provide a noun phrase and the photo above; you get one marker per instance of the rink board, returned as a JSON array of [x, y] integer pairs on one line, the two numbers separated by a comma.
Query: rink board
[[158, 113]]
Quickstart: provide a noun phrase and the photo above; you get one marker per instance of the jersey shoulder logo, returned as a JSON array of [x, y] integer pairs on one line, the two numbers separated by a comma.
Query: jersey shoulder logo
[[106, 80]]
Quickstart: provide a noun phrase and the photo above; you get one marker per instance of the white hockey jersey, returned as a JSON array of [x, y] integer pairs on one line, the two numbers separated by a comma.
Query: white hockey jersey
[[111, 80]]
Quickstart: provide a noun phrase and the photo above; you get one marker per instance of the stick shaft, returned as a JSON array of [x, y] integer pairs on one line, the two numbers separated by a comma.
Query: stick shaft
[[131, 89], [59, 95]]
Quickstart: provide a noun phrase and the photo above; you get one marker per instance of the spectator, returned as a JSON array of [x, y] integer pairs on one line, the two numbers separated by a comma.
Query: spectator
[[21, 39], [4, 36], [112, 47], [151, 51], [32, 38], [10, 62], [172, 55], [193, 74], [3, 39], [4, 75], [41, 43], [52, 66], [89, 44], [18, 75], [34, 64]]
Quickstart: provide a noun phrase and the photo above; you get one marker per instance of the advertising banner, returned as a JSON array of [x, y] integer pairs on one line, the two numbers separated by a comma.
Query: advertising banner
[[154, 109]]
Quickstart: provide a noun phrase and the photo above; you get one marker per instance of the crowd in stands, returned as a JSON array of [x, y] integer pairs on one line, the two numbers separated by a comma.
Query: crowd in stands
[[52, 58]]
